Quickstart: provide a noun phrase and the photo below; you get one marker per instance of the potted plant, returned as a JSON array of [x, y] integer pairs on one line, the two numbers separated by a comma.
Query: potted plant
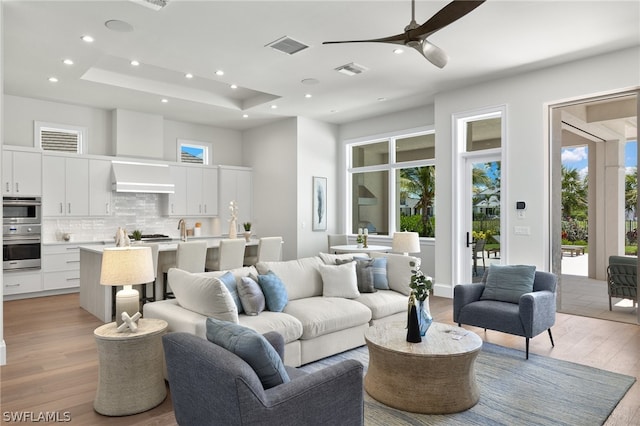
[[247, 230], [137, 235]]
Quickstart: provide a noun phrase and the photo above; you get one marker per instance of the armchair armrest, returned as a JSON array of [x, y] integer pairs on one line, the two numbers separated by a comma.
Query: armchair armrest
[[463, 294], [537, 311], [277, 341], [336, 392]]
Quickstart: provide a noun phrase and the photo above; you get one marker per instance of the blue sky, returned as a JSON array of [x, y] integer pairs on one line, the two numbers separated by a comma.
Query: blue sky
[[576, 158], [197, 152]]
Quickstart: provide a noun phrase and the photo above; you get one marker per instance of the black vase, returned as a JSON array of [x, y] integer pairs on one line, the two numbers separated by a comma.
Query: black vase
[[413, 330]]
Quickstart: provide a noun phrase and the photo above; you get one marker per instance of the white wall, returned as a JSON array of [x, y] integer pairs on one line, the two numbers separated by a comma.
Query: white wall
[[525, 168], [271, 150], [317, 153]]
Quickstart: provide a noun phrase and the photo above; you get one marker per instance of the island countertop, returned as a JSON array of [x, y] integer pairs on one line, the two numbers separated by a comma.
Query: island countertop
[[163, 246]]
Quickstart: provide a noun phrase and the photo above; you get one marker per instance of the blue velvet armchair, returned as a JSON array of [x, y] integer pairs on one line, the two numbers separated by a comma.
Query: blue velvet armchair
[[212, 386], [534, 313]]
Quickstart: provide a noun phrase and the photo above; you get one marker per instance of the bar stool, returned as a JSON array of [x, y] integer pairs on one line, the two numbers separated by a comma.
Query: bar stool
[[230, 255], [190, 257], [269, 250]]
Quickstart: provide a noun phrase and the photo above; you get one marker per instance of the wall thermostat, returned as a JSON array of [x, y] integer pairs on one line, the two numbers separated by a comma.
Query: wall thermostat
[[521, 205]]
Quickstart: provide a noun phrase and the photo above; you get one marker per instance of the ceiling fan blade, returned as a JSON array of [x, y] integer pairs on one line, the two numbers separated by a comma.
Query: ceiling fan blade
[[395, 39], [434, 54], [445, 16]]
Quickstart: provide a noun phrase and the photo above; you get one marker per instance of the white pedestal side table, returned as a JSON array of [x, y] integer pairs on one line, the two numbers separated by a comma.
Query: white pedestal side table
[[131, 378]]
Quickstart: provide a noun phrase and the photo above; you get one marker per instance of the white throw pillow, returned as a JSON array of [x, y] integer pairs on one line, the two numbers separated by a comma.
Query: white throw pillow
[[339, 280], [207, 296], [331, 259], [399, 271]]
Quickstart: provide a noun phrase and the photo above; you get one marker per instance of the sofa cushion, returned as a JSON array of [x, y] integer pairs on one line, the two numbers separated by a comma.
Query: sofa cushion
[[507, 283], [364, 274], [251, 296], [252, 347], [229, 280], [339, 280], [288, 326], [332, 259], [384, 303], [275, 293], [207, 296], [399, 270], [380, 280], [325, 315], [301, 277]]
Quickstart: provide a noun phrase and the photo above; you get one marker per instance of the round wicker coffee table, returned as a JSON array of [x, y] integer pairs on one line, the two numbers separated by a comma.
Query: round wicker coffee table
[[436, 376], [131, 378]]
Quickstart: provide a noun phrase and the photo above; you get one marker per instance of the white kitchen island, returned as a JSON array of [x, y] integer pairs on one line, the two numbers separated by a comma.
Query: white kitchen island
[[96, 299]]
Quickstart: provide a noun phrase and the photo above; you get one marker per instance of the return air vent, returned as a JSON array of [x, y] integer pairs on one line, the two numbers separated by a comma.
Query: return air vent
[[351, 69], [287, 45], [152, 4]]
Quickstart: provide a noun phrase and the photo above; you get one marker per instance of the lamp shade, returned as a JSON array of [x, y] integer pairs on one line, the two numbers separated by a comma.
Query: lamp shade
[[406, 242], [126, 266]]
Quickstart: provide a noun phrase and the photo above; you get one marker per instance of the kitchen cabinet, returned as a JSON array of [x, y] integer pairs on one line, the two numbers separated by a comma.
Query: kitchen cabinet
[[177, 202], [66, 186], [18, 282], [21, 173], [60, 266], [235, 183], [100, 200], [196, 192]]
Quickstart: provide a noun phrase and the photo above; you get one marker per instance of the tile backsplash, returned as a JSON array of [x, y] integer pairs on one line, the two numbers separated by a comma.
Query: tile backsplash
[[131, 211]]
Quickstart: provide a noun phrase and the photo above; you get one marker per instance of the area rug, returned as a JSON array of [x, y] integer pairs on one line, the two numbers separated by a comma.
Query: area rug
[[513, 391]]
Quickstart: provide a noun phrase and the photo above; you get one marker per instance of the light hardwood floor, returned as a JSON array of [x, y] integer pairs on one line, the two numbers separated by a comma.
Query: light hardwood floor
[[52, 362]]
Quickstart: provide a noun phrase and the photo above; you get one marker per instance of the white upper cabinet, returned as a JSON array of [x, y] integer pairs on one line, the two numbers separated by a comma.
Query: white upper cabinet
[[196, 191], [100, 192], [210, 191], [21, 173], [66, 187], [235, 184], [177, 202]]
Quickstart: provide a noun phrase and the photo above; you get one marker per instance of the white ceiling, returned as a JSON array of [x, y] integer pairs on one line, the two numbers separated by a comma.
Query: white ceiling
[[498, 39]]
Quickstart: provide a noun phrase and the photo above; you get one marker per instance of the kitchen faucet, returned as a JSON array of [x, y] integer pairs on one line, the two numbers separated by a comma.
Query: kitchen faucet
[[183, 229]]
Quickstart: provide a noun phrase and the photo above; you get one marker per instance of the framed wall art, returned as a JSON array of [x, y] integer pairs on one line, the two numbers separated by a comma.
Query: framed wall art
[[319, 203]]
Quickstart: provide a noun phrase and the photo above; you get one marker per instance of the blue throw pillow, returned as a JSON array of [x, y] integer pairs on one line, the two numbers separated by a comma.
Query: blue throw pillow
[[229, 282], [275, 293], [507, 283], [252, 347], [379, 267]]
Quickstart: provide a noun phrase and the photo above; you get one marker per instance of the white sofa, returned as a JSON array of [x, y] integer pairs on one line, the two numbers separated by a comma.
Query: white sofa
[[313, 326]]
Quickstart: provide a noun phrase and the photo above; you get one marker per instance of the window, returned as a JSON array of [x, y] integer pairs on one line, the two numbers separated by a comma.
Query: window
[[60, 137], [392, 183], [193, 152]]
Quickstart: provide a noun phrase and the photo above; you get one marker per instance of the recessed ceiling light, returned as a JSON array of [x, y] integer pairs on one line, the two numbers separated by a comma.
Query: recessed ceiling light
[[310, 81], [274, 106], [134, 63], [234, 86], [382, 99], [245, 115], [119, 26], [53, 79], [219, 72], [67, 62], [398, 51], [308, 95], [333, 111], [188, 75], [87, 39], [164, 100]]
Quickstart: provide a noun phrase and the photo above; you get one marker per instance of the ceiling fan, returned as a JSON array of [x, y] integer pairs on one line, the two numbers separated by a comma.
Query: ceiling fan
[[416, 35]]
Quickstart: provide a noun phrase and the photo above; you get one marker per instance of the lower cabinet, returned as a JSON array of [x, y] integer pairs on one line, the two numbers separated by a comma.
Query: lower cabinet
[[60, 266], [19, 282]]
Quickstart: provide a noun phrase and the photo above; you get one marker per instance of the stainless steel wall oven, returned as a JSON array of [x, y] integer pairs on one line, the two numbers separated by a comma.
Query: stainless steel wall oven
[[21, 233]]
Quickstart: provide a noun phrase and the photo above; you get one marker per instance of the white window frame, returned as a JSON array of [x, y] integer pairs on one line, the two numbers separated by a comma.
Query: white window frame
[[205, 146], [82, 132], [391, 167]]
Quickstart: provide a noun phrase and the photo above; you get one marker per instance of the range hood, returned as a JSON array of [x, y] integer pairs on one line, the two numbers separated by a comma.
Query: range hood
[[141, 177]]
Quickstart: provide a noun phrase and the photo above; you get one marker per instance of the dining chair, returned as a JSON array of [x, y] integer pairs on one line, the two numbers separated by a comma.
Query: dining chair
[[190, 257], [336, 240], [478, 252], [230, 255], [269, 250]]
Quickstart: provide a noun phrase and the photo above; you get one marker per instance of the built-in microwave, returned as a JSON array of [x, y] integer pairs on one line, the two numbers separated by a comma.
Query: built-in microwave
[[21, 210]]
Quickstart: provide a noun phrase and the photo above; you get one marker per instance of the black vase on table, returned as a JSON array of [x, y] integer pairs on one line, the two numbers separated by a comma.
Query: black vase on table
[[413, 330]]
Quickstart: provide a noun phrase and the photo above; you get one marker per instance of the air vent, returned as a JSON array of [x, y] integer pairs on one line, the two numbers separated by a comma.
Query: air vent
[[351, 69], [152, 4], [287, 45]]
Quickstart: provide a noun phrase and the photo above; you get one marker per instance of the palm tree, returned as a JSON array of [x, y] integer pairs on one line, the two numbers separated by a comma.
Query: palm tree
[[420, 181], [574, 192], [631, 191]]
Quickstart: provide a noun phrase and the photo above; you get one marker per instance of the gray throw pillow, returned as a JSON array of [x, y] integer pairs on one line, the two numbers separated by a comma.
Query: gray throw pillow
[[251, 296], [507, 283], [364, 274], [252, 347]]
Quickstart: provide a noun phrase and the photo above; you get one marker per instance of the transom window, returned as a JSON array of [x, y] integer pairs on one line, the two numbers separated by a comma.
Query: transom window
[[392, 183], [193, 152]]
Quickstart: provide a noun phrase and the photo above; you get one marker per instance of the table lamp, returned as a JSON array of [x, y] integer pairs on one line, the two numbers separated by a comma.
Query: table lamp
[[406, 242], [126, 266]]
